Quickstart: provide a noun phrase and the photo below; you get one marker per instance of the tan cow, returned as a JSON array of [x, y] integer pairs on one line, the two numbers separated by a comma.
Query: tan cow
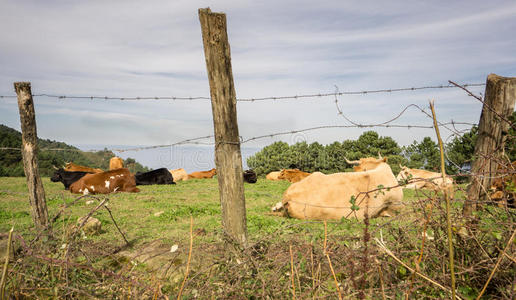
[[71, 167], [119, 180], [423, 179], [179, 174], [348, 195], [292, 175], [202, 174], [273, 175], [116, 163]]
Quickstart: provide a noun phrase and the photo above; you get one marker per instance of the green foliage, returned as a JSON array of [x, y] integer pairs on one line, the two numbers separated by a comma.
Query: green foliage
[[423, 155], [11, 163], [460, 150], [327, 159], [331, 158]]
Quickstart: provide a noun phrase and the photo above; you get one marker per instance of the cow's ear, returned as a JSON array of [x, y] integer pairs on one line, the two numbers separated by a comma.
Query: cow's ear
[[384, 159]]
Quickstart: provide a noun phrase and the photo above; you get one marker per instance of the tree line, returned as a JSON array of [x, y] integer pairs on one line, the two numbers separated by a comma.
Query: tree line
[[330, 158], [11, 163]]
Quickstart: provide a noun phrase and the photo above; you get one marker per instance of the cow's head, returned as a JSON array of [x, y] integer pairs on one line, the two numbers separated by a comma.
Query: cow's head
[[58, 175]]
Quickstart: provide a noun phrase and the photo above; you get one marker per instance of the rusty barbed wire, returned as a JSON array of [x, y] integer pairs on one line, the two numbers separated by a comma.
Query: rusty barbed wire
[[483, 103], [195, 141], [340, 112], [295, 97]]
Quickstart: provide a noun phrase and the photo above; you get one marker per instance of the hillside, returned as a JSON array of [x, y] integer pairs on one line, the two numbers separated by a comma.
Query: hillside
[[11, 160]]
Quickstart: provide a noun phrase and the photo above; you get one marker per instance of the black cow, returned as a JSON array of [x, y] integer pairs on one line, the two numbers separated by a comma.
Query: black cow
[[158, 176], [66, 177], [250, 176]]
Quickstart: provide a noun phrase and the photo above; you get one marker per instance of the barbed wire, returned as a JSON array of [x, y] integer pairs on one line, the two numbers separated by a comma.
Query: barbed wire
[[317, 95], [195, 141], [454, 131]]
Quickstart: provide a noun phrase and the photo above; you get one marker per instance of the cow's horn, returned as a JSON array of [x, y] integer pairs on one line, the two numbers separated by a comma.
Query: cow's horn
[[401, 167], [352, 162], [379, 155], [55, 167]]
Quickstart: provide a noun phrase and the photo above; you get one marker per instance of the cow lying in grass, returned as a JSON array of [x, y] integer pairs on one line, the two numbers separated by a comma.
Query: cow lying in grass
[[423, 179], [119, 180], [348, 195], [71, 167], [273, 175], [67, 178], [179, 174], [292, 175], [202, 174], [250, 176], [158, 176]]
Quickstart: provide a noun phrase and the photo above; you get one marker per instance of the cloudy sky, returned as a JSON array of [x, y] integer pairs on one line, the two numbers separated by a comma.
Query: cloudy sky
[[279, 48]]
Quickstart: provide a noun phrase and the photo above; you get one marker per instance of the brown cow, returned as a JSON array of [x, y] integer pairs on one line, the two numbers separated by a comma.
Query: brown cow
[[179, 174], [273, 175], [71, 167], [503, 186], [119, 180], [338, 195], [202, 174], [292, 175], [116, 163]]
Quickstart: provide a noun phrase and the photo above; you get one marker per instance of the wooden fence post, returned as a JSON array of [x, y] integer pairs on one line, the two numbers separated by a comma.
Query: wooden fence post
[[500, 95], [228, 158], [29, 153]]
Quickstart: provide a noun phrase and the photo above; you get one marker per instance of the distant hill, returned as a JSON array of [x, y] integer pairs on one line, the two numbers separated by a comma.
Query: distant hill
[[11, 160]]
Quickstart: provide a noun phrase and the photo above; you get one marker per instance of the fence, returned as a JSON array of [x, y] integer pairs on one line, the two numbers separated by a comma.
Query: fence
[[228, 142]]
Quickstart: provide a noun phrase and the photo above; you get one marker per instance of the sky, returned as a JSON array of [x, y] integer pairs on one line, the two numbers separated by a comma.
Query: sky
[[278, 48]]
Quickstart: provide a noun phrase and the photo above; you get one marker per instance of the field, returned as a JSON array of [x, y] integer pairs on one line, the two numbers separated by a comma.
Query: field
[[286, 255]]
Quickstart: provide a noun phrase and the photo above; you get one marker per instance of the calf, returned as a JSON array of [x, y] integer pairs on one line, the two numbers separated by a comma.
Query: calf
[[119, 180], [158, 176], [202, 174], [250, 176], [67, 178]]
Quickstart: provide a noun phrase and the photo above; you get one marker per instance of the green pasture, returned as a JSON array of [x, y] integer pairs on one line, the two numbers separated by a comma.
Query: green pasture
[[161, 211]]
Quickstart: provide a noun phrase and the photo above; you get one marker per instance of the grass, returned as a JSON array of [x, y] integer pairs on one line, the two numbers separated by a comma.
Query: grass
[[163, 212]]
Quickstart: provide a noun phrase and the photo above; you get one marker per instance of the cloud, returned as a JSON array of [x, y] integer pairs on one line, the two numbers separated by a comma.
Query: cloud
[[127, 48]]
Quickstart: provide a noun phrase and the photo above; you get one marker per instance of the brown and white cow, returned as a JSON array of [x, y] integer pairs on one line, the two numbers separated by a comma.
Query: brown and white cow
[[71, 167], [423, 179], [119, 180], [116, 163], [273, 175], [179, 174], [292, 175], [348, 195], [202, 174]]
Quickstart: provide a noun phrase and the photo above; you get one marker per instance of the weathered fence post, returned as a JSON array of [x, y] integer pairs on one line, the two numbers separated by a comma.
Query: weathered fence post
[[228, 158], [500, 95], [29, 153]]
